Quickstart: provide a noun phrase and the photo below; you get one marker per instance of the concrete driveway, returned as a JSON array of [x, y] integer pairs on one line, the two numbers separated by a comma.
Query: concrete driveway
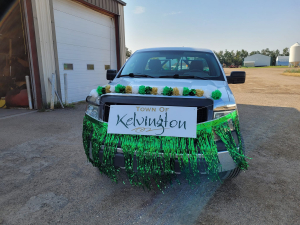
[[45, 177], [9, 113]]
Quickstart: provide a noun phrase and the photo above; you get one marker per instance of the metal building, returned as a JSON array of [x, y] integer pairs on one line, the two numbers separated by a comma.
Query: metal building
[[282, 61], [80, 38], [259, 60]]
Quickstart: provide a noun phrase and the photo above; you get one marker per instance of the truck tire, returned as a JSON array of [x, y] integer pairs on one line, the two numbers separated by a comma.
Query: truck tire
[[231, 174], [235, 172]]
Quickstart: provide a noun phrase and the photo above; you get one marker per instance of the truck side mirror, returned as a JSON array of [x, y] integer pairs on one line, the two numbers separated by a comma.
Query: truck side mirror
[[111, 74], [236, 77]]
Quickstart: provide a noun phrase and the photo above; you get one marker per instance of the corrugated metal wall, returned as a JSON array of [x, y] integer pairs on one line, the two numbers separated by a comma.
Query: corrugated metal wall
[[108, 5], [45, 51], [260, 60], [122, 35]]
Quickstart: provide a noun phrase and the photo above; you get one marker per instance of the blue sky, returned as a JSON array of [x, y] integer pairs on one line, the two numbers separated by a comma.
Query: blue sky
[[214, 24]]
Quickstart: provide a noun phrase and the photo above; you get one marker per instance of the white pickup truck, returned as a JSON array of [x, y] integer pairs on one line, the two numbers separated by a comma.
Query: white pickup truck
[[167, 111]]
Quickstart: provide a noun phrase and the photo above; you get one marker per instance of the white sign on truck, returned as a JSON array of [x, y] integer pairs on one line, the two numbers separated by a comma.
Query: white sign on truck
[[153, 120]]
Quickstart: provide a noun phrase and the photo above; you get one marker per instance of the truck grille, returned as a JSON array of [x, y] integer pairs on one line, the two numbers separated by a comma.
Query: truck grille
[[201, 112]]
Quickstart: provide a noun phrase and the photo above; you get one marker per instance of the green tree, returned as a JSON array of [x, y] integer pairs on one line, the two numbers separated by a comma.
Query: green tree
[[244, 54], [272, 54], [285, 52], [220, 56], [254, 52], [237, 58], [128, 53]]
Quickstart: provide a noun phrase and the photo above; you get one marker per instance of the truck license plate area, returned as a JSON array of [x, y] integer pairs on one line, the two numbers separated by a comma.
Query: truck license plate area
[[153, 120]]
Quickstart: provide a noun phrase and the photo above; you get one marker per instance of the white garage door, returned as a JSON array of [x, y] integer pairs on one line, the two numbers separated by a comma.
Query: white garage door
[[84, 37]]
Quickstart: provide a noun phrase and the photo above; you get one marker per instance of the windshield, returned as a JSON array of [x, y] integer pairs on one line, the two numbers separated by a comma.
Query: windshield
[[179, 64]]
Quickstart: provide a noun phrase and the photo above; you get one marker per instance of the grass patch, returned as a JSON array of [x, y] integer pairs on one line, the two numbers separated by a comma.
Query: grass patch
[[292, 74], [67, 106], [42, 110], [57, 105], [245, 67], [292, 71]]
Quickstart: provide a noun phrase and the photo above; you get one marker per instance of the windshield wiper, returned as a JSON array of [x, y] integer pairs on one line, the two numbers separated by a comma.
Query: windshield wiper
[[136, 75], [170, 76], [200, 78], [184, 77]]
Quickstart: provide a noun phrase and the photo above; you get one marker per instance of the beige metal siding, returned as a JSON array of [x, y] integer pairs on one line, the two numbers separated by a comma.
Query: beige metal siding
[[108, 5], [43, 32], [122, 35]]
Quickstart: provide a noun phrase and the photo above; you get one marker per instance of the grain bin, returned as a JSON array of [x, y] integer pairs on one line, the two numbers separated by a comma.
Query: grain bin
[[294, 59]]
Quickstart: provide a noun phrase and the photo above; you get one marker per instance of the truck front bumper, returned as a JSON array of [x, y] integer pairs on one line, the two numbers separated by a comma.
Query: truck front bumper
[[226, 161]]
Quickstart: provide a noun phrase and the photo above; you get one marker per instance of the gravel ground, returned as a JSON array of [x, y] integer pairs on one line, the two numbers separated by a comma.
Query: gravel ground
[[45, 178]]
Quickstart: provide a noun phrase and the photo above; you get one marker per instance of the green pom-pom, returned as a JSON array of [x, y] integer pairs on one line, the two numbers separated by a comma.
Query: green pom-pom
[[192, 92], [148, 90], [100, 90], [120, 88], [186, 91], [216, 94], [142, 90], [103, 90], [168, 91]]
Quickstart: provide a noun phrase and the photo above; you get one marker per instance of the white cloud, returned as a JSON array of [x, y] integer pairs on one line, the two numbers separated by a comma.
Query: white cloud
[[139, 10], [172, 13]]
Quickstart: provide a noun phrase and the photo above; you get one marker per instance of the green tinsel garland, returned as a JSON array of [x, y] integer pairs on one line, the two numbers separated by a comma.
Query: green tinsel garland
[[120, 88], [216, 94], [148, 150], [167, 91]]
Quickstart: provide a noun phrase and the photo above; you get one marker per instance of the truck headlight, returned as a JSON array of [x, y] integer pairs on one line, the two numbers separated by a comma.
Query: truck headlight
[[220, 114], [93, 111]]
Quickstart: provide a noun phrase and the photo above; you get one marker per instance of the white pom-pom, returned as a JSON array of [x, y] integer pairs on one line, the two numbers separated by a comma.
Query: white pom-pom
[[94, 93], [208, 90], [112, 88], [135, 89], [180, 90], [160, 90], [207, 93]]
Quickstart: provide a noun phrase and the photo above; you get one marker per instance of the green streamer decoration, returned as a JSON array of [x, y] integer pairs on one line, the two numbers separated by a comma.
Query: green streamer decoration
[[186, 91], [216, 94], [168, 91], [120, 88], [151, 157]]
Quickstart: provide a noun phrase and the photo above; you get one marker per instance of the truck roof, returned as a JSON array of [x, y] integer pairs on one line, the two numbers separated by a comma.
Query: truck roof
[[176, 49]]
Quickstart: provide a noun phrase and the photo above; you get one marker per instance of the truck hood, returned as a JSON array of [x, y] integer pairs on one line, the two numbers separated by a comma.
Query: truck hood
[[207, 86]]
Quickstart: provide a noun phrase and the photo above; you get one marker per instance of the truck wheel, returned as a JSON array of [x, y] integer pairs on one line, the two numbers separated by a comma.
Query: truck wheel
[[230, 174], [235, 172]]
